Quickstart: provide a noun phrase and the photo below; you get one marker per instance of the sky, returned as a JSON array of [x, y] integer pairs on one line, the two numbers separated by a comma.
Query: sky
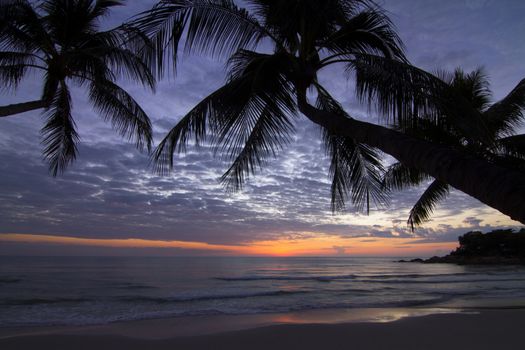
[[111, 203]]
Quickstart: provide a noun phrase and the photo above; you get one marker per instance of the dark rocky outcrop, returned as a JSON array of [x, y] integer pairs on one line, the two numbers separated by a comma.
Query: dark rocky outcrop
[[504, 247]]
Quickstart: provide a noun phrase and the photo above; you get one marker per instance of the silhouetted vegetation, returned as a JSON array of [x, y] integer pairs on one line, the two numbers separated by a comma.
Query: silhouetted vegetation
[[504, 243], [495, 247], [498, 119]]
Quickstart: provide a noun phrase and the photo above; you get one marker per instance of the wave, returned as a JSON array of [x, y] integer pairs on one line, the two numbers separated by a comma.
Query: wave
[[286, 278], [162, 300], [408, 278], [133, 286], [6, 280], [448, 281], [36, 301]]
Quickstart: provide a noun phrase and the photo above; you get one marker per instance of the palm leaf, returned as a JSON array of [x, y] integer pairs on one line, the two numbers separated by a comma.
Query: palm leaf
[[356, 169], [473, 86], [367, 32], [399, 91], [59, 134], [13, 66], [403, 93], [300, 25], [125, 114], [513, 145], [113, 54], [422, 210], [507, 114], [398, 177], [267, 136], [246, 121], [216, 27], [194, 123], [102, 7], [21, 27]]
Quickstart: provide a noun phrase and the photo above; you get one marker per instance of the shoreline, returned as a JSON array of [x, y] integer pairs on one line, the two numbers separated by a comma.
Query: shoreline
[[474, 329], [168, 327], [197, 325]]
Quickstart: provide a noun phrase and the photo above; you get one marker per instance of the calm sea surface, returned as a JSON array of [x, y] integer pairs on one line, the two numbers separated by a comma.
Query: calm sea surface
[[93, 290]]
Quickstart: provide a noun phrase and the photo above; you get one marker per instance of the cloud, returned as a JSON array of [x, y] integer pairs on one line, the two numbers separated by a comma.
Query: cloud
[[340, 250], [472, 221], [111, 192]]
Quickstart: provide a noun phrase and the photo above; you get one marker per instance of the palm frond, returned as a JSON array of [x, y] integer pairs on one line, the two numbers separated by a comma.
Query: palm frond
[[101, 7], [473, 86], [513, 145], [29, 22], [67, 21], [267, 136], [263, 86], [216, 27], [59, 134], [20, 27], [194, 123], [138, 43], [246, 121], [122, 62], [356, 169], [125, 114], [404, 93], [13, 66], [300, 25], [422, 210], [400, 92], [367, 32], [398, 177], [507, 114]]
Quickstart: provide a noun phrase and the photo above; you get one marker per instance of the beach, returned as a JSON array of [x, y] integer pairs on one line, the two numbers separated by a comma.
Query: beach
[[476, 329]]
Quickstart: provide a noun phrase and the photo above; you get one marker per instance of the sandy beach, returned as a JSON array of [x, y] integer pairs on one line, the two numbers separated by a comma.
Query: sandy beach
[[483, 329]]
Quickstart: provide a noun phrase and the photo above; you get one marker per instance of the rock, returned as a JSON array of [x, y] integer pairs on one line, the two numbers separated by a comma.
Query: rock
[[417, 260]]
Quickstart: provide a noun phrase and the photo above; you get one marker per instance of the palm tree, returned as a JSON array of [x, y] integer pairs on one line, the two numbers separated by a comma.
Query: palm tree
[[249, 119], [62, 40], [501, 119]]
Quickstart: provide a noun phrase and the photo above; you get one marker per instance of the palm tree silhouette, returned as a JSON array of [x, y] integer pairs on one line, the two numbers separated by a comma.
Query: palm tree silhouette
[[501, 119], [249, 119], [61, 38]]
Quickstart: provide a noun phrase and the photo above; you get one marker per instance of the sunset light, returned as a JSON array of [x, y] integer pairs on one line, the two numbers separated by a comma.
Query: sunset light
[[312, 245]]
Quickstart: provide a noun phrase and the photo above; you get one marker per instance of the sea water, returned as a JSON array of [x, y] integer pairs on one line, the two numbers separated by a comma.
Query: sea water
[[97, 290]]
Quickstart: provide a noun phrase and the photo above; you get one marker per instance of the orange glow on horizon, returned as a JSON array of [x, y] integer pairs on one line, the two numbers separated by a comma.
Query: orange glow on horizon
[[318, 245]]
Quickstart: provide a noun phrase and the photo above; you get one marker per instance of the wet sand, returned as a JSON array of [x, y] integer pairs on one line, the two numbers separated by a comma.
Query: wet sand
[[485, 329]]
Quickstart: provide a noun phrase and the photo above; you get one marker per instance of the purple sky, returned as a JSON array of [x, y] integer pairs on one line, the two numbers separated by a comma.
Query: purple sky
[[110, 192]]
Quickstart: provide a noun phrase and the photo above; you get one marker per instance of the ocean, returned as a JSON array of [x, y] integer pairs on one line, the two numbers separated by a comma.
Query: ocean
[[96, 290]]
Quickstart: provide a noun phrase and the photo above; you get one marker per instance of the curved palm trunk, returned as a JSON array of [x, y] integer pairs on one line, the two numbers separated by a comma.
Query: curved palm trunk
[[495, 186], [6, 111]]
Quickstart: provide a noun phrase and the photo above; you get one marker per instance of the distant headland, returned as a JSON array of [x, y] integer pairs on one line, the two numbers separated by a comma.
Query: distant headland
[[498, 247]]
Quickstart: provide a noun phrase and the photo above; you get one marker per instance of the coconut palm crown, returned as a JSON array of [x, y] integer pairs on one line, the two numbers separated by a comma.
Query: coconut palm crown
[[62, 40], [275, 50], [501, 119], [250, 118]]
